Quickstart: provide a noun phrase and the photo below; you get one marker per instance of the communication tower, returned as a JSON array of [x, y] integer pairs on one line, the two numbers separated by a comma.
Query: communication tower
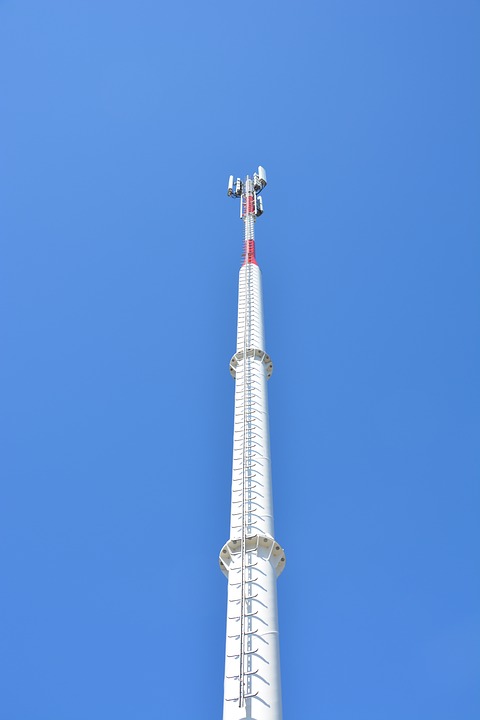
[[251, 559]]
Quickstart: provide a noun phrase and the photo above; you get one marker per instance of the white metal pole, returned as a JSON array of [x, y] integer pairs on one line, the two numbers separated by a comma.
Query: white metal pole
[[251, 559]]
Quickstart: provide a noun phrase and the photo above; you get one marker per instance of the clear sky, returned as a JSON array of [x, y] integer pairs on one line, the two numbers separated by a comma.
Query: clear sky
[[119, 125]]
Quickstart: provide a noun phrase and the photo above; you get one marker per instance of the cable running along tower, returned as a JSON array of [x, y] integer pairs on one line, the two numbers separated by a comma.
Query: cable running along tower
[[251, 559]]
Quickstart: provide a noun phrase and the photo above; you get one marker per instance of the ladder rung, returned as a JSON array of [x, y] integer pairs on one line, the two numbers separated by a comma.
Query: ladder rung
[[245, 652], [249, 597], [250, 580]]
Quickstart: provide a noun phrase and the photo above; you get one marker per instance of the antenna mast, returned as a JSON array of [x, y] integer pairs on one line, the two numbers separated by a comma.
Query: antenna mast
[[251, 559]]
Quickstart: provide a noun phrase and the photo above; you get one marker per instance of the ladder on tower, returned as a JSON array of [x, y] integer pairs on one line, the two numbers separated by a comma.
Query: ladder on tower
[[246, 615]]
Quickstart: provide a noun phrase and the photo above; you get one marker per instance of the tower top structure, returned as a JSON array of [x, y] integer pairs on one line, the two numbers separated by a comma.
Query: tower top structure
[[251, 205], [251, 559]]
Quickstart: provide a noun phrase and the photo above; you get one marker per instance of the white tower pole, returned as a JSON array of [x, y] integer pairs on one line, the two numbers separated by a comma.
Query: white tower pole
[[251, 559]]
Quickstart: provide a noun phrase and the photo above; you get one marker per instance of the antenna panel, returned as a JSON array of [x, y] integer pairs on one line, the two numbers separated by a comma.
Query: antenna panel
[[259, 208], [262, 175]]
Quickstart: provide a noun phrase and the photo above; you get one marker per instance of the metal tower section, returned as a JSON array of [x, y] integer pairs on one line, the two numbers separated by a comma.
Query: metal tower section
[[251, 559]]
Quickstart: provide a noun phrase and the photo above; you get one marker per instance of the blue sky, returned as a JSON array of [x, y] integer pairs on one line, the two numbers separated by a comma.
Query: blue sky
[[119, 125]]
